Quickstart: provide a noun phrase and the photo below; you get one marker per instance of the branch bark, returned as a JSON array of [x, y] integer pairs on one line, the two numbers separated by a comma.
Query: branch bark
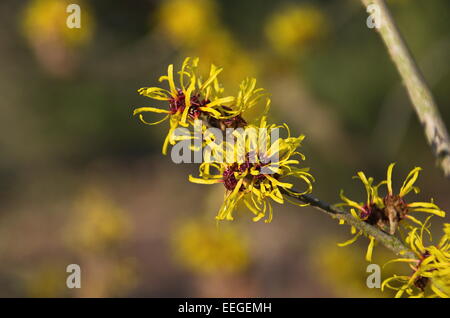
[[418, 90], [389, 241]]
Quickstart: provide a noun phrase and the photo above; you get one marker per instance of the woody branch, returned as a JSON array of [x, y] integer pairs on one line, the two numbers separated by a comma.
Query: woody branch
[[389, 241], [419, 93]]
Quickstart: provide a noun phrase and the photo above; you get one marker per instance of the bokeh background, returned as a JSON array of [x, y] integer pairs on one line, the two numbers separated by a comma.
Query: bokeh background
[[82, 181]]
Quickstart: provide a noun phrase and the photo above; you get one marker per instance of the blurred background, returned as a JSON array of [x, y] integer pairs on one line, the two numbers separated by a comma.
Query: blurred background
[[82, 181]]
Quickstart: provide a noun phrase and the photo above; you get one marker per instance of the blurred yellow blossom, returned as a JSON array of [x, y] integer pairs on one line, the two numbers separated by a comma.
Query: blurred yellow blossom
[[97, 223], [207, 249], [107, 275], [295, 27], [44, 24], [46, 280], [46, 20], [198, 31], [186, 21]]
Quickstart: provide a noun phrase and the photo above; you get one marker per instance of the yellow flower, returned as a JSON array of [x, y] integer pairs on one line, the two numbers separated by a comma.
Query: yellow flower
[[186, 22], [392, 208], [386, 212], [97, 224], [373, 202], [220, 45], [295, 27], [431, 268], [56, 46], [195, 98], [45, 20], [186, 102], [251, 178], [209, 250], [370, 210], [396, 207], [44, 280], [199, 31]]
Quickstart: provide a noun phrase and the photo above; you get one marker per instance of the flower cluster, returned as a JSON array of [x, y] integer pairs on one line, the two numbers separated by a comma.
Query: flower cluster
[[257, 168], [431, 268], [256, 179], [195, 98], [251, 174], [386, 212]]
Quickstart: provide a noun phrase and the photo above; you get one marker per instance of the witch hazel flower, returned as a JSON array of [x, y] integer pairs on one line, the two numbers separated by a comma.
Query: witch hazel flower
[[386, 212], [193, 98]]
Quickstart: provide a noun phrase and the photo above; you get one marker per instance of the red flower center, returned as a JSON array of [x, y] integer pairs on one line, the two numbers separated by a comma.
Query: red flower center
[[229, 178], [177, 104]]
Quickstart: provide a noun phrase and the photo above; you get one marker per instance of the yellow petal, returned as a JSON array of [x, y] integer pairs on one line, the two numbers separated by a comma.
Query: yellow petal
[[252, 208], [350, 241], [155, 93], [409, 181], [173, 90], [389, 177], [188, 100], [432, 211], [203, 181], [370, 249], [220, 101], [141, 118], [278, 183], [150, 109], [212, 76], [423, 205], [210, 110]]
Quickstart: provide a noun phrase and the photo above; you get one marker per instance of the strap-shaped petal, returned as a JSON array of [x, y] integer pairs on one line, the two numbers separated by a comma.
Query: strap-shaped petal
[[409, 181], [350, 241], [389, 177], [141, 118], [150, 109], [203, 181], [220, 101], [155, 93]]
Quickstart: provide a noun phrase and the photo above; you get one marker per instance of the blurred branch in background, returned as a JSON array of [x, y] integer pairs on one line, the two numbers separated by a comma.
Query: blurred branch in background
[[418, 91]]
